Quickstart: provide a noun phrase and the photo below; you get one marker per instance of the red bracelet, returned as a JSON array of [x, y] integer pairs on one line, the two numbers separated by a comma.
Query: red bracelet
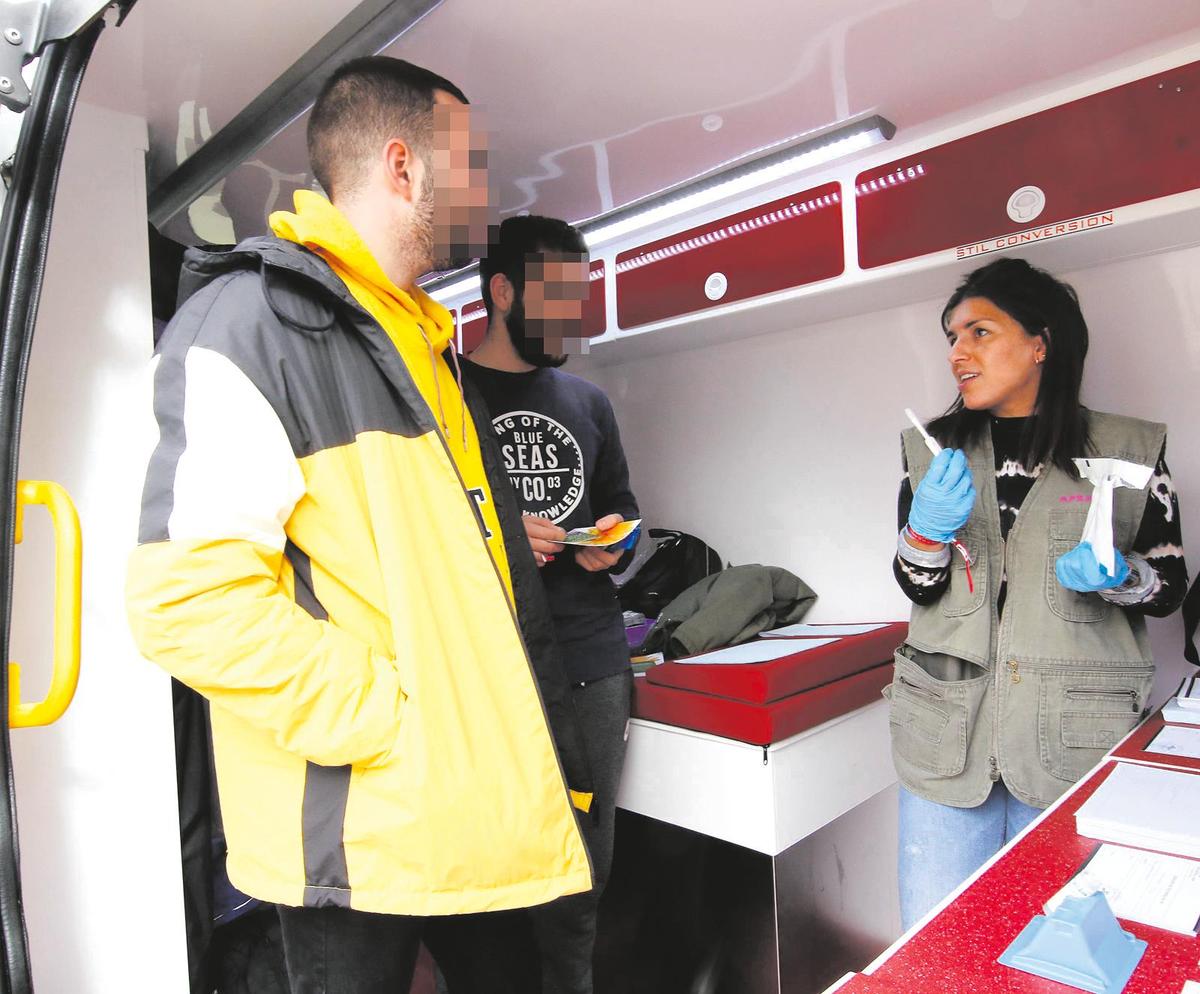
[[921, 538], [954, 543]]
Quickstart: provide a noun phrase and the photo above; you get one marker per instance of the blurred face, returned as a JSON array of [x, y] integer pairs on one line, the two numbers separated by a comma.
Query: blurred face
[[457, 184], [556, 288], [996, 365]]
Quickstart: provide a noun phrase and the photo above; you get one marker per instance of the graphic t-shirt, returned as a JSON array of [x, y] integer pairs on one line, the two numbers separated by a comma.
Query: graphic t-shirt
[[562, 450]]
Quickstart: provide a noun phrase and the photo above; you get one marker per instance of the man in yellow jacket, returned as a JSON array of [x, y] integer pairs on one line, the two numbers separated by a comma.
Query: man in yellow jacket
[[329, 552]]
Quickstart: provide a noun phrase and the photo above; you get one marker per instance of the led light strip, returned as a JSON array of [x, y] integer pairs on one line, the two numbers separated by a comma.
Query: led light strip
[[708, 238], [890, 179], [765, 166], [729, 188]]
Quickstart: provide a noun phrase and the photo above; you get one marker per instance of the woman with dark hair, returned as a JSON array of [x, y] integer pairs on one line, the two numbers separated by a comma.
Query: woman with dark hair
[[1026, 657]]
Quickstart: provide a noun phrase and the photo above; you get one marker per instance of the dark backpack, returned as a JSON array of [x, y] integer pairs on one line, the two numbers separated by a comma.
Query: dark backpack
[[678, 561]]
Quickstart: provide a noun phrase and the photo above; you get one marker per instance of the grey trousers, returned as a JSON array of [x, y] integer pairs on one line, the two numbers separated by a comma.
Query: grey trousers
[[566, 929]]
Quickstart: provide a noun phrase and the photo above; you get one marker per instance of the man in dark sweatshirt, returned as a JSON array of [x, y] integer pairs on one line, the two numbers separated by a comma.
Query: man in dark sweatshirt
[[563, 453]]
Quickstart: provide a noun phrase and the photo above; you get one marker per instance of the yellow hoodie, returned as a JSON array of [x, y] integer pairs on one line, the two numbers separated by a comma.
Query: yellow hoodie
[[418, 325]]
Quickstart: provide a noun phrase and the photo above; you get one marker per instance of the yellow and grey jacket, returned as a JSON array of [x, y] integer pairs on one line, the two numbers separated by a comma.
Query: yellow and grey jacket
[[311, 560]]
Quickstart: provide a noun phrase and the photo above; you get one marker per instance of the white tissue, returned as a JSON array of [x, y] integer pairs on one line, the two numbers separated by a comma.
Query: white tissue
[[1106, 475]]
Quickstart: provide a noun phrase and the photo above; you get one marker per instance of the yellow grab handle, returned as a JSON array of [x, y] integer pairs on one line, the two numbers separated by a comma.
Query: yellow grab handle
[[68, 607]]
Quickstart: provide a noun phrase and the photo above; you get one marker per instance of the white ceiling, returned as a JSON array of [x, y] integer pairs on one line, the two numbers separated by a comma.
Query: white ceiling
[[593, 105]]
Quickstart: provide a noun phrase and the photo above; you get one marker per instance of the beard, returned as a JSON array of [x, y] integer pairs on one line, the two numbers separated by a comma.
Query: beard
[[422, 225], [453, 250], [530, 342]]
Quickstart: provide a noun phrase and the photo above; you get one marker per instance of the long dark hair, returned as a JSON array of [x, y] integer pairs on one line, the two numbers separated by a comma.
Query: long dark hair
[[1048, 308]]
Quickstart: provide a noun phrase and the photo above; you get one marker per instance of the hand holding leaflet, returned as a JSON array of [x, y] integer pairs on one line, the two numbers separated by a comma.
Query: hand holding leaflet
[[599, 548], [622, 534]]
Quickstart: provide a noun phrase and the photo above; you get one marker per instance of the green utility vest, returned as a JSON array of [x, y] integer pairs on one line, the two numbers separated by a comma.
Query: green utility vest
[[1038, 696]]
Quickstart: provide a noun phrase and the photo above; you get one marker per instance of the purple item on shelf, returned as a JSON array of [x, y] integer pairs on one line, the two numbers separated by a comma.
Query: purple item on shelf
[[637, 634]]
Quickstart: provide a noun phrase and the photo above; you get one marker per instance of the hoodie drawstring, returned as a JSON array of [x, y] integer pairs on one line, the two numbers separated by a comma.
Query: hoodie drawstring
[[437, 386], [462, 400], [437, 381]]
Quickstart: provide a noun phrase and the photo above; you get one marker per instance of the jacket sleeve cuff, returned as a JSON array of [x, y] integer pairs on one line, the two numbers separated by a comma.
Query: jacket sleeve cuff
[[1139, 586], [919, 557]]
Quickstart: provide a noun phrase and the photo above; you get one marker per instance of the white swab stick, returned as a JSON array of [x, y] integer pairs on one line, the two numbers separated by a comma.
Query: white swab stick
[[930, 444]]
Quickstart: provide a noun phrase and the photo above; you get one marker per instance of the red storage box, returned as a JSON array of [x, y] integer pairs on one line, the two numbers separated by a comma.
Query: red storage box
[[814, 659], [760, 724]]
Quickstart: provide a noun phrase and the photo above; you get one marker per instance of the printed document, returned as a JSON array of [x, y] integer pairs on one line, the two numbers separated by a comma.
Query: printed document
[[1146, 887], [806, 631], [1147, 807], [1175, 740], [755, 652]]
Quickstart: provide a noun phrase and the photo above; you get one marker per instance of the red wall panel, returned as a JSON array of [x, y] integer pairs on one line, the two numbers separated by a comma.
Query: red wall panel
[[595, 309], [1123, 146], [474, 326], [782, 244]]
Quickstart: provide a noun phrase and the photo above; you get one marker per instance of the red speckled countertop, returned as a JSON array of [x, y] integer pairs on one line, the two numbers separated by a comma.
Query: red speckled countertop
[[957, 950]]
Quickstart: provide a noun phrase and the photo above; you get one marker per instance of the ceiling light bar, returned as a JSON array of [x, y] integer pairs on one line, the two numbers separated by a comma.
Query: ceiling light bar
[[768, 166], [764, 166], [441, 292]]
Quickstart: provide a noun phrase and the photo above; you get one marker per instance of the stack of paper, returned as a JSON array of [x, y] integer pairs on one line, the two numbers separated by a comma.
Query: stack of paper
[[1175, 741], [811, 631], [754, 652], [1147, 807], [1184, 707], [1177, 715], [1146, 887], [641, 664]]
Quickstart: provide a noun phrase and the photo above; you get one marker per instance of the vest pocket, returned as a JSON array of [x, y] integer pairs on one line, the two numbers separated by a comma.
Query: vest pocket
[[959, 599], [928, 717], [1084, 713], [1066, 529]]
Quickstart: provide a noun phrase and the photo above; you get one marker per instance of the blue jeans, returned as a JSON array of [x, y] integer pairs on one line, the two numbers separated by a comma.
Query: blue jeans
[[940, 846]]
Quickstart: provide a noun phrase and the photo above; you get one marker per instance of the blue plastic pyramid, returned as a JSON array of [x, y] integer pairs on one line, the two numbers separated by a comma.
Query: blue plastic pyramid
[[1080, 944]]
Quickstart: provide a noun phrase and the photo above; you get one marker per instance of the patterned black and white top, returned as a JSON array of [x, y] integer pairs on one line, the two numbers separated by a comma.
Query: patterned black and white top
[[1159, 539]]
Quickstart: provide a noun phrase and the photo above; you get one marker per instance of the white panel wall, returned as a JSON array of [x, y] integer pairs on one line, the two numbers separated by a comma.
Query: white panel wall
[[96, 792], [784, 449]]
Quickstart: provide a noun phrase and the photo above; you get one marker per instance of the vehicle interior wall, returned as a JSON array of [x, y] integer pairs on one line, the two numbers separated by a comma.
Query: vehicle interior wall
[[99, 824], [784, 448]]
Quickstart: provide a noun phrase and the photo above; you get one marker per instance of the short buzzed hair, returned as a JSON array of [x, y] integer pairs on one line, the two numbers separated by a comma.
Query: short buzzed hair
[[362, 105]]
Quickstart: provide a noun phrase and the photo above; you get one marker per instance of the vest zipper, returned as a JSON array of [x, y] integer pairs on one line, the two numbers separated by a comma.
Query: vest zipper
[[1089, 693], [919, 691], [994, 758]]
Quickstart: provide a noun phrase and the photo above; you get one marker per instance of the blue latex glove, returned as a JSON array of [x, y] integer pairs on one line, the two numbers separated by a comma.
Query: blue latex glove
[[1080, 570], [943, 501]]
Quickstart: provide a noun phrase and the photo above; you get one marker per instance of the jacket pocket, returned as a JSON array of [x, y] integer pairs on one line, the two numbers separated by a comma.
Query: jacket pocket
[[1066, 529], [929, 717], [1084, 713], [960, 599]]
